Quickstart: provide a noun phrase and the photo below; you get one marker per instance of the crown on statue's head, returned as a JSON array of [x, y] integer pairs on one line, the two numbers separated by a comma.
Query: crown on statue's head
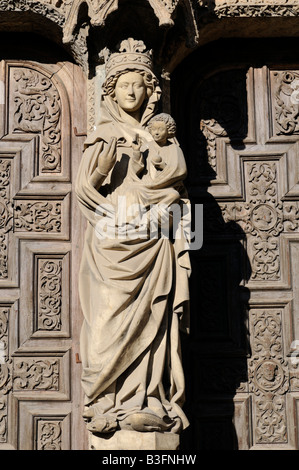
[[132, 55]]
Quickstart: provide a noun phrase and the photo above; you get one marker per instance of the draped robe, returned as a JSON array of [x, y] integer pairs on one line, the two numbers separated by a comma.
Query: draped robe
[[133, 291]]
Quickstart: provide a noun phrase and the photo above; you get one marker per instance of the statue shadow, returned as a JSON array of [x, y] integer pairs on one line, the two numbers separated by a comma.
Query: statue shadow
[[215, 352]]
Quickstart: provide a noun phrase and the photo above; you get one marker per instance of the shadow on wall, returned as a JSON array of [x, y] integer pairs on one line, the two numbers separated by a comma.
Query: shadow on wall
[[215, 352]]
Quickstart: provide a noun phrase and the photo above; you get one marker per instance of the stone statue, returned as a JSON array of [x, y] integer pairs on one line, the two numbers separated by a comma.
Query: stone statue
[[133, 286]]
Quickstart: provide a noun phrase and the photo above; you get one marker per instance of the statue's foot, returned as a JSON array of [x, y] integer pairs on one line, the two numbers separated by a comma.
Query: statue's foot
[[102, 424], [88, 414], [92, 411], [146, 422]]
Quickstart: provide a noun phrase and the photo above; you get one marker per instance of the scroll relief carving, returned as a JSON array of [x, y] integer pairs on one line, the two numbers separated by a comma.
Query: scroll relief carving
[[263, 217], [37, 216], [286, 100], [35, 374], [37, 109], [48, 435], [49, 294], [268, 376], [255, 8], [20, 374], [20, 216], [48, 8], [6, 214], [5, 372]]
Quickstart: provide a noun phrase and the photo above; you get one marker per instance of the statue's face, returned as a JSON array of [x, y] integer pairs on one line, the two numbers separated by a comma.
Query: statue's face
[[130, 91], [159, 132]]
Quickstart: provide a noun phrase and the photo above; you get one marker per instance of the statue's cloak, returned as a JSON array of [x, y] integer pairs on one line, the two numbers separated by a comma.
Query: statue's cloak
[[134, 291]]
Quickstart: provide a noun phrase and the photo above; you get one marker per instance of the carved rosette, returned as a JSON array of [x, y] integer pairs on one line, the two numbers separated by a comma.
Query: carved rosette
[[268, 376], [263, 217], [37, 216]]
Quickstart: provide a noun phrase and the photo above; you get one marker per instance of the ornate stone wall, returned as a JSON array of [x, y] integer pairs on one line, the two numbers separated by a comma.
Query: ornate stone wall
[[241, 139], [243, 162], [181, 25], [37, 264]]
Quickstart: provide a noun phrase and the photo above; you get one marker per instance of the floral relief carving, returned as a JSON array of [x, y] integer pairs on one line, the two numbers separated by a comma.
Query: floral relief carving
[[5, 372], [268, 376], [266, 220], [44, 8], [256, 8], [286, 100], [263, 217], [5, 214], [49, 294], [37, 109], [267, 341], [92, 104], [271, 421], [37, 216], [35, 374], [3, 418], [30, 365], [294, 376], [49, 435]]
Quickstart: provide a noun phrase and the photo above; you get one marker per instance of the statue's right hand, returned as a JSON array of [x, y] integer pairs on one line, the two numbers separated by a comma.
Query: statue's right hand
[[137, 142], [107, 158]]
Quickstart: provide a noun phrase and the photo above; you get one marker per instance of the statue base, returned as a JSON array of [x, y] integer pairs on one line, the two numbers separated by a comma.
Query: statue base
[[134, 440]]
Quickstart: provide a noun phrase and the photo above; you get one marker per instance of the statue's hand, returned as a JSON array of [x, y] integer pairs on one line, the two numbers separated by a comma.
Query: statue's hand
[[108, 157], [137, 142], [158, 162]]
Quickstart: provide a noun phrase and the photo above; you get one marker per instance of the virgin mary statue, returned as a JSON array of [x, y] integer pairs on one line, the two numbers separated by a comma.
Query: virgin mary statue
[[133, 289]]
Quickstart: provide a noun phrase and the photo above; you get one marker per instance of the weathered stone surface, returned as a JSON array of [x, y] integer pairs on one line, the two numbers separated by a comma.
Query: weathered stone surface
[[132, 304], [36, 255], [240, 129]]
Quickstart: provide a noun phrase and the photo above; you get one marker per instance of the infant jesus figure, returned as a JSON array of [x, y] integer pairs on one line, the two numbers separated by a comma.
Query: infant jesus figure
[[162, 128], [157, 170], [160, 162]]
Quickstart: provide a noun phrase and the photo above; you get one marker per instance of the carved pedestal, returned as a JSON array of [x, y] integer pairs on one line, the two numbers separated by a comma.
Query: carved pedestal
[[133, 440]]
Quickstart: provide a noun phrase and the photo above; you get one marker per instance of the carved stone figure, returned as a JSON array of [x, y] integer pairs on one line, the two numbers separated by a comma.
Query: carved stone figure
[[133, 286]]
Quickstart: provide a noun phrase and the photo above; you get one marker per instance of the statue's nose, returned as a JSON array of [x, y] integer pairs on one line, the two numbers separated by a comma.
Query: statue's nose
[[130, 90]]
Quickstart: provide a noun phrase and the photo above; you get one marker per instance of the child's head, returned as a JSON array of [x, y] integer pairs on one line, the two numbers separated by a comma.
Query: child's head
[[162, 127]]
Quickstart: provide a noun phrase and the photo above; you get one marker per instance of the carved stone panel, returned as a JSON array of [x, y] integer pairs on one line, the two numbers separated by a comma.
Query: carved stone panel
[[244, 169], [39, 375]]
